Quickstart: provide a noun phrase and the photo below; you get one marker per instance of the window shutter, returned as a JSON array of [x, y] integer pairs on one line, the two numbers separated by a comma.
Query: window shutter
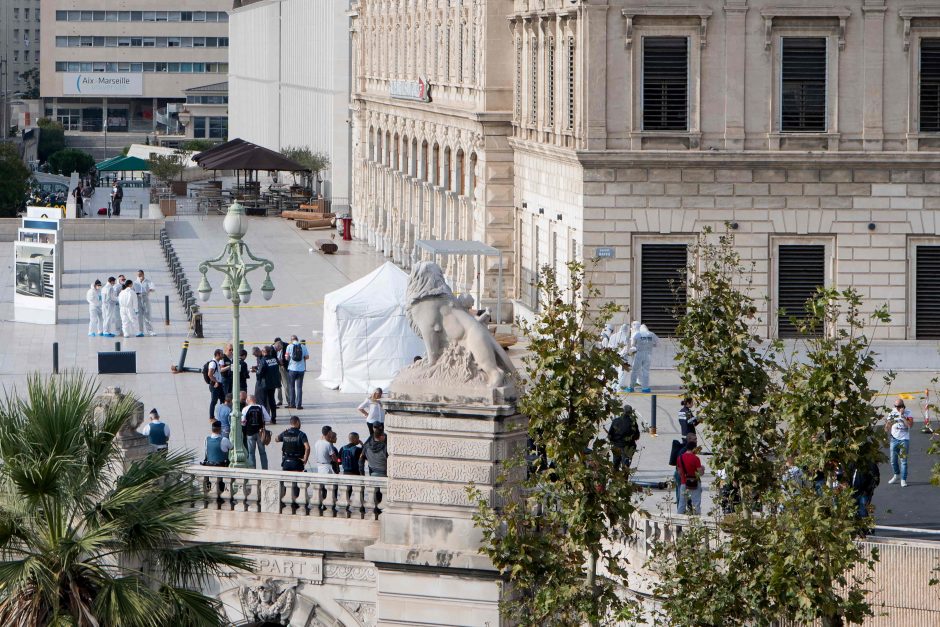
[[663, 286], [930, 85], [665, 84], [803, 96], [800, 270], [927, 298]]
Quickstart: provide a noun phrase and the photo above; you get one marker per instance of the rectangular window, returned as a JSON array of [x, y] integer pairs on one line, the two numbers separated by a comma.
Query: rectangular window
[[218, 127], [927, 297], [665, 83], [663, 269], [930, 86], [570, 105], [534, 81], [801, 269], [199, 127], [61, 16], [803, 85], [550, 71]]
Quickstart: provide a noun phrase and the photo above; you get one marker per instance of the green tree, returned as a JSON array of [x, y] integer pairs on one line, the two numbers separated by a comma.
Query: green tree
[[14, 180], [51, 138], [70, 160], [31, 78], [555, 536], [75, 529], [786, 547], [316, 161], [198, 145], [167, 167]]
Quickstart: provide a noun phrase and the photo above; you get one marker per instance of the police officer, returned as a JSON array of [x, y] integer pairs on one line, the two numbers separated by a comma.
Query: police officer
[[217, 447], [157, 433], [272, 381], [295, 447]]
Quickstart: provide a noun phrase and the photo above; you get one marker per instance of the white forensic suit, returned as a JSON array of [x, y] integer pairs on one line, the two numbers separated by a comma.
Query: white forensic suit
[[128, 304], [144, 288], [107, 311], [115, 309], [93, 296], [642, 343], [620, 342]]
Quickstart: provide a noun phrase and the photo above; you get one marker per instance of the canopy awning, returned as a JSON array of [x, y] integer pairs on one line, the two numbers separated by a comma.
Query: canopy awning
[[246, 156], [446, 247], [123, 164]]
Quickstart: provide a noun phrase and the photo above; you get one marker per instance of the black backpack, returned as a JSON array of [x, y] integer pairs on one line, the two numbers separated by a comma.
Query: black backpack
[[254, 420], [297, 353], [677, 446], [205, 372], [349, 455]]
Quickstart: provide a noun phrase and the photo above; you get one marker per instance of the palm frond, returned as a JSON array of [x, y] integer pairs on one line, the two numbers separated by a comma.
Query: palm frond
[[128, 601], [194, 565], [192, 608]]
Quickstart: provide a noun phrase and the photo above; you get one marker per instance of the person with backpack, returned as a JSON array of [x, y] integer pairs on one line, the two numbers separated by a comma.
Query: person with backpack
[[254, 418], [295, 447], [624, 433], [212, 375], [690, 470], [864, 478], [297, 356], [350, 455], [678, 448]]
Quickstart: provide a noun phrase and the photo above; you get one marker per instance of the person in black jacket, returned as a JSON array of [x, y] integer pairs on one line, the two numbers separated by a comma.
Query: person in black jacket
[[272, 380], [864, 478], [624, 433]]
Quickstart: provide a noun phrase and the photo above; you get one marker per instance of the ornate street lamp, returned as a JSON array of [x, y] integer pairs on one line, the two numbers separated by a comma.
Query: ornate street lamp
[[235, 262]]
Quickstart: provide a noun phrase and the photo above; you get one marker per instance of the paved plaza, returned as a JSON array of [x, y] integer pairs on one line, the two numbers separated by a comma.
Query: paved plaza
[[302, 278]]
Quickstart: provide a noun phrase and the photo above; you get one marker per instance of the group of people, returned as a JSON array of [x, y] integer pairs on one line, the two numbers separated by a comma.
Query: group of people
[[120, 307], [279, 371], [83, 193], [635, 341]]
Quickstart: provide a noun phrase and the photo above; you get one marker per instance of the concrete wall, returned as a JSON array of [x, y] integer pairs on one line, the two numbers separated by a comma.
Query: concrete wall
[[289, 81], [92, 230]]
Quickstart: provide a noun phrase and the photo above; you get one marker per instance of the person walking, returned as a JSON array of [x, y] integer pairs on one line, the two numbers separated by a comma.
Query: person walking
[[212, 374], [323, 451], [117, 195], [375, 453], [158, 433], [272, 381], [145, 288], [899, 425], [864, 478], [690, 479], [128, 304], [623, 434], [373, 410], [350, 454], [93, 297], [78, 195], [254, 418], [295, 447], [223, 414], [217, 446], [297, 356]]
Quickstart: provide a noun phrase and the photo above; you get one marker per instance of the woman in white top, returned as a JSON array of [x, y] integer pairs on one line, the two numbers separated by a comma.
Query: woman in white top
[[372, 409]]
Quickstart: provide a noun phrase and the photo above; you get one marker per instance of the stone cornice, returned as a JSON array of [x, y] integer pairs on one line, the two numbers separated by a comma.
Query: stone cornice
[[427, 108], [719, 159]]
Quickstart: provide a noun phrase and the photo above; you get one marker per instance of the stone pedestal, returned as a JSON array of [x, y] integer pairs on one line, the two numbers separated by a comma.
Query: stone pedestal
[[134, 445], [429, 569]]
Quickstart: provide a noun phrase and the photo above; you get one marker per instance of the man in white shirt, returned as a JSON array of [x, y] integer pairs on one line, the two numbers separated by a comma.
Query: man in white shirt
[[322, 452], [215, 382], [899, 425], [373, 410]]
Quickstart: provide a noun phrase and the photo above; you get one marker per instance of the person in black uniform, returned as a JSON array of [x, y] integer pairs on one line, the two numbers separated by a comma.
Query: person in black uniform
[[295, 447]]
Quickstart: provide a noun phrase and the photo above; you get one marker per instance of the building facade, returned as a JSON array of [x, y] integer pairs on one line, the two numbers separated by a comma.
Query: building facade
[[290, 81], [812, 129], [19, 43], [431, 117], [126, 68]]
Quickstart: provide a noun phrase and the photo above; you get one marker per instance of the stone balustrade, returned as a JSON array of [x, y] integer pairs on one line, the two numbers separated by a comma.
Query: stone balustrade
[[288, 493]]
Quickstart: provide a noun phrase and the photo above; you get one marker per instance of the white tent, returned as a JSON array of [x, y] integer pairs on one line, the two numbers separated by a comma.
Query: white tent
[[366, 336]]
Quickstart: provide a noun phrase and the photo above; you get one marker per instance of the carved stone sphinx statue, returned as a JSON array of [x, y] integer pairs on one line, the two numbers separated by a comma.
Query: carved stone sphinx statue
[[463, 361]]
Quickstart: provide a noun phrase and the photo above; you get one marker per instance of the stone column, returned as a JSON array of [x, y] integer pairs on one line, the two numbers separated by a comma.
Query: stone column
[[874, 60], [429, 569], [735, 54]]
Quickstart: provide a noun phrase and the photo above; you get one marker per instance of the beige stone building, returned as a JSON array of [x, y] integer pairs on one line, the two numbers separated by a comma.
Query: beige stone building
[[432, 88], [19, 42], [128, 64], [812, 127]]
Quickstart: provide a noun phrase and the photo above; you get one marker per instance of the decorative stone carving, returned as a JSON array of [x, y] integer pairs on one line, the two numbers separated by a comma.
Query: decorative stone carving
[[349, 572], [430, 494], [363, 613], [426, 470], [268, 601], [134, 445], [464, 362], [438, 448]]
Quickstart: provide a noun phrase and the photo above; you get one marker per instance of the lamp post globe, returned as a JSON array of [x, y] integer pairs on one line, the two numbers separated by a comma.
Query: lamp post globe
[[235, 223]]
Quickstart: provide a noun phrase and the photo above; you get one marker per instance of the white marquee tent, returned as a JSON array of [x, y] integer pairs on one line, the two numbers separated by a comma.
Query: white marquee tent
[[366, 336]]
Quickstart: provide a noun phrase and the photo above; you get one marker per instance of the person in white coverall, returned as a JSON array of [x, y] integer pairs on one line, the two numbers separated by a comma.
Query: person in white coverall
[[642, 343], [144, 287], [93, 296], [620, 341], [128, 304], [108, 309]]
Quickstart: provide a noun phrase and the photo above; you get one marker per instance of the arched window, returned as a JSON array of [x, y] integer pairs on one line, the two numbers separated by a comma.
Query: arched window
[[446, 170], [436, 164], [473, 175], [423, 172], [459, 173]]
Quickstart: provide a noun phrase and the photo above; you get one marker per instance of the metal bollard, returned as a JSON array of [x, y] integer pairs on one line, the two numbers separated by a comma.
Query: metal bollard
[[117, 347], [140, 210], [653, 414], [181, 365], [166, 309], [55, 358]]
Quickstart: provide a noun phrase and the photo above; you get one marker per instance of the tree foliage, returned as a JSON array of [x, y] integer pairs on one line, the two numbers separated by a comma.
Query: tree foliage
[[70, 160], [75, 528], [14, 180], [786, 548], [556, 535], [198, 145], [316, 161], [51, 138], [167, 168], [31, 78]]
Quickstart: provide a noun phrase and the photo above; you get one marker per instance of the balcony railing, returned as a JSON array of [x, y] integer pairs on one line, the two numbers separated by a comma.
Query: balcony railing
[[288, 493]]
